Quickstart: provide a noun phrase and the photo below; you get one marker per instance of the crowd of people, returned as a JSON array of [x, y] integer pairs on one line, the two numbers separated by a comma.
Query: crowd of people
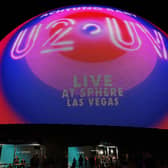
[[35, 162], [21, 163], [98, 161], [144, 160], [17, 163]]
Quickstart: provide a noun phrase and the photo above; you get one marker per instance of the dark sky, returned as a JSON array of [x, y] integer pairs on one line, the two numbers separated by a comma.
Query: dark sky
[[15, 12]]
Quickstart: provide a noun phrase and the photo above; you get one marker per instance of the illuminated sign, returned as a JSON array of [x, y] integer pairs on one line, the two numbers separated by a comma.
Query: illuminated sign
[[87, 66]]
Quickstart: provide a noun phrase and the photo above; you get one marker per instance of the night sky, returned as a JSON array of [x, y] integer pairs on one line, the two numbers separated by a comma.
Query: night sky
[[15, 12]]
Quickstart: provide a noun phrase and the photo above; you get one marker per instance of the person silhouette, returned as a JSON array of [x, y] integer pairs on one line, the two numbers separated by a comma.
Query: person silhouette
[[73, 163], [86, 161], [80, 161]]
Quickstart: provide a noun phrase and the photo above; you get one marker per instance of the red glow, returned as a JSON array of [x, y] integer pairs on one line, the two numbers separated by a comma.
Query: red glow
[[163, 123], [6, 113], [87, 46]]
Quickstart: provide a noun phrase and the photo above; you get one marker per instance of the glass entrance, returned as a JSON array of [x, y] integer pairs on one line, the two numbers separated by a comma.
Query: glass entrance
[[100, 156], [20, 155]]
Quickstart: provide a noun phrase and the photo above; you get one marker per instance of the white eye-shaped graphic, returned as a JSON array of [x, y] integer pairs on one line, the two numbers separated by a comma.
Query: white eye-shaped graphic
[[91, 28]]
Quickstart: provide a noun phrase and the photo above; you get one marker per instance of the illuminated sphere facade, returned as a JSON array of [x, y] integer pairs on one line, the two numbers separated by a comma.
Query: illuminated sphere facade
[[85, 65]]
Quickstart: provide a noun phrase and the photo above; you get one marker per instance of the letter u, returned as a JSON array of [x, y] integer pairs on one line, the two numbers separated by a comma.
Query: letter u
[[116, 37], [17, 52]]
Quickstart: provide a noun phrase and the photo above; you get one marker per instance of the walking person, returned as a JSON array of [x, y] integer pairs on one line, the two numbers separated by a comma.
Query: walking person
[[80, 161]]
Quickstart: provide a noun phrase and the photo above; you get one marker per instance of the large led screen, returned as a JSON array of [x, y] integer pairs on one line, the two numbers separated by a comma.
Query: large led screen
[[85, 65]]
